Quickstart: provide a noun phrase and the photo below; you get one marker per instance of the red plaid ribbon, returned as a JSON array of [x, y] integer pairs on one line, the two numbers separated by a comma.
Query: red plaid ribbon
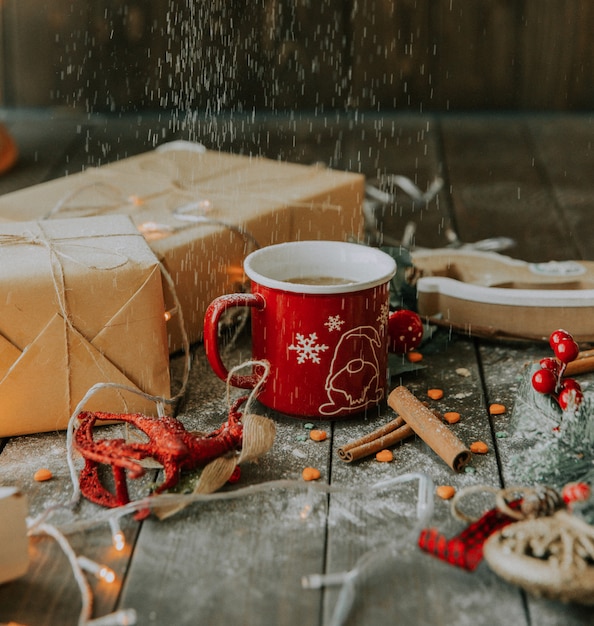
[[466, 549]]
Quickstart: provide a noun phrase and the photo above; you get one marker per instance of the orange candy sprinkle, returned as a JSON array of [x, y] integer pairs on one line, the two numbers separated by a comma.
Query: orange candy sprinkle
[[435, 394], [479, 447], [310, 473], [384, 456], [445, 492], [41, 475], [451, 417], [318, 435], [497, 409], [414, 357]]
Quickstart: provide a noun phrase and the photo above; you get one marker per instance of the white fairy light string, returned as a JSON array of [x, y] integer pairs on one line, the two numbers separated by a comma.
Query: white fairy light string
[[348, 580]]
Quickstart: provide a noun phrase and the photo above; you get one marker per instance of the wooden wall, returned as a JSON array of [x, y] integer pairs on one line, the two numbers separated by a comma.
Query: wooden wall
[[218, 55]]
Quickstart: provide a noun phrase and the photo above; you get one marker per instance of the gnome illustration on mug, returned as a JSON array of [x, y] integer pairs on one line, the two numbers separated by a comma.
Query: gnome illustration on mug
[[362, 344]]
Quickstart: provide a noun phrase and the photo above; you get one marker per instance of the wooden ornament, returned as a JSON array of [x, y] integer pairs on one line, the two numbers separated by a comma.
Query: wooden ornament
[[550, 557]]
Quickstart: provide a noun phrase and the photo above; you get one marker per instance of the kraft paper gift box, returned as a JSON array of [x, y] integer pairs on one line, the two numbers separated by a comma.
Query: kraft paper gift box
[[202, 212], [81, 302]]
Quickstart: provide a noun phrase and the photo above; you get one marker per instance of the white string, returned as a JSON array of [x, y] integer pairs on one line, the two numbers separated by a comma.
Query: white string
[[126, 617], [370, 559], [424, 507], [81, 581], [347, 579], [407, 185], [256, 390]]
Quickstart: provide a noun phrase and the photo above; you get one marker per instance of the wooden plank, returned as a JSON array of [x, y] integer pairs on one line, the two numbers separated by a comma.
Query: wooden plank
[[473, 56], [391, 55], [564, 149], [497, 189], [556, 70], [561, 149], [298, 55]]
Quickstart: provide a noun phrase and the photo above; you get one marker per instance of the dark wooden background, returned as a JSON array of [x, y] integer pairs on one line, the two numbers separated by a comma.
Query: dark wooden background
[[221, 55]]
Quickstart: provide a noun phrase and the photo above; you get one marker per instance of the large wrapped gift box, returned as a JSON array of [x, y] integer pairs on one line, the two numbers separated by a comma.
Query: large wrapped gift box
[[202, 211], [81, 302]]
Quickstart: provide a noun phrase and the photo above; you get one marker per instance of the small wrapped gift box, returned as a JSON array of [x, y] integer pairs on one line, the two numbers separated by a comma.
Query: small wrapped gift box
[[81, 302], [202, 211], [14, 544]]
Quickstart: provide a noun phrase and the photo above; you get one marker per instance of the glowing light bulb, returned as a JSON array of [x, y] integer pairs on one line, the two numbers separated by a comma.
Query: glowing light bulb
[[135, 200], [102, 572], [106, 574], [117, 536], [119, 541]]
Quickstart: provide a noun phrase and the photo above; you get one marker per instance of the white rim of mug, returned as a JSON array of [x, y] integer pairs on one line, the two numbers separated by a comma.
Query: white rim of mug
[[360, 256]]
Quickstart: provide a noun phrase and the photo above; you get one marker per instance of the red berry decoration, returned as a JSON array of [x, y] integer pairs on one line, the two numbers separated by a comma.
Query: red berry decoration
[[549, 378], [549, 363], [575, 492], [544, 381], [570, 383], [557, 336], [405, 331], [570, 398], [566, 350]]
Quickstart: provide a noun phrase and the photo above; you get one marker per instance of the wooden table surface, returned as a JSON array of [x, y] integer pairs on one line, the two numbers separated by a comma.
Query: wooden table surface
[[242, 560]]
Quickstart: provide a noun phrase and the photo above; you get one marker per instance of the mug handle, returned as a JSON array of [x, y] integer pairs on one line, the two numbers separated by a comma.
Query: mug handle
[[211, 330]]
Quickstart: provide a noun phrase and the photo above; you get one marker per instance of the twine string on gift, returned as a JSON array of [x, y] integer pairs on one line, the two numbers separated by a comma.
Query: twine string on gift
[[256, 187], [116, 198], [56, 256], [186, 210], [185, 213], [111, 192], [149, 229], [57, 246]]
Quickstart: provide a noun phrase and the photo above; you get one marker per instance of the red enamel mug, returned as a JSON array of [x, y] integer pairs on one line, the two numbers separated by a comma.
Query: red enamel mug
[[319, 314]]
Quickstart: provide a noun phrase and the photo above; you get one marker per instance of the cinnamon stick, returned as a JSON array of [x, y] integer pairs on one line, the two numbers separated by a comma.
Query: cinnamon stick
[[581, 365], [429, 428], [383, 437]]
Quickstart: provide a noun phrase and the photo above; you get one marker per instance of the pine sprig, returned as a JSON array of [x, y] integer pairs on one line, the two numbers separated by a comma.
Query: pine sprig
[[557, 447]]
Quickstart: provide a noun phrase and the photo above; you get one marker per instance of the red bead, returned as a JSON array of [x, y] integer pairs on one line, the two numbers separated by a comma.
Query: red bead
[[575, 492], [544, 381], [570, 398], [566, 350], [549, 363], [405, 331], [557, 335], [570, 383]]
